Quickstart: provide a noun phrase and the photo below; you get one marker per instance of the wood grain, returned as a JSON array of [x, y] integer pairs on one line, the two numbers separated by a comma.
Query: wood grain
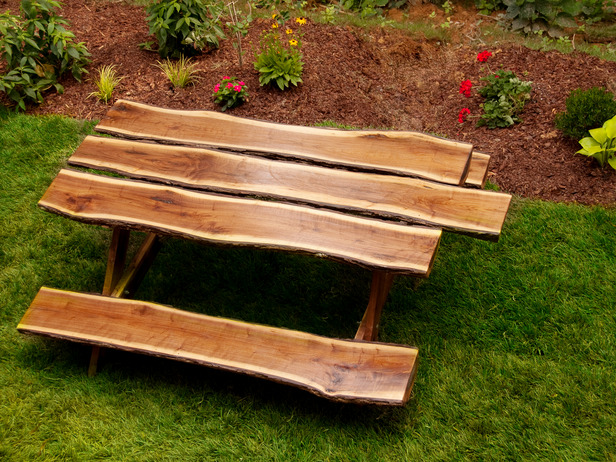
[[398, 152], [341, 370], [217, 219], [466, 210]]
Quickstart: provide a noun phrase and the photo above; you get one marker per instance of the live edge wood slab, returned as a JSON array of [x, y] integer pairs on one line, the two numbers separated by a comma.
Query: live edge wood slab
[[377, 199], [341, 370]]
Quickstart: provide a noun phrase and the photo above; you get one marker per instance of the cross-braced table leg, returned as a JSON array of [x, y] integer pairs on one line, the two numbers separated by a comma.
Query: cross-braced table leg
[[369, 326]]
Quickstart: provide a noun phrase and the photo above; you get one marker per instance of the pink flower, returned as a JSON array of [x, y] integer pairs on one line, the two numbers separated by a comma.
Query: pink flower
[[241, 84], [463, 113], [216, 88], [237, 88], [226, 77], [483, 56], [465, 88], [229, 85]]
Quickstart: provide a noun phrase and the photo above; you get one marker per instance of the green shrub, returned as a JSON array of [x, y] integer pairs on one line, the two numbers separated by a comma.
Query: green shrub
[[505, 97], [37, 51], [185, 27], [585, 109]]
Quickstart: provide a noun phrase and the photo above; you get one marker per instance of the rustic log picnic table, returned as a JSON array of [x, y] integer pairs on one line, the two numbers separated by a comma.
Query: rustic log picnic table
[[374, 198]]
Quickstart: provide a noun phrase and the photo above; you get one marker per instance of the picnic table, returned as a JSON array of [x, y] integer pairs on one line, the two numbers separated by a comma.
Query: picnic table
[[374, 198]]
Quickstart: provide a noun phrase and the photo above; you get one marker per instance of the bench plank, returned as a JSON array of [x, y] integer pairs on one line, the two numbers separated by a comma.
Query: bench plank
[[471, 211], [398, 152], [341, 370], [217, 219]]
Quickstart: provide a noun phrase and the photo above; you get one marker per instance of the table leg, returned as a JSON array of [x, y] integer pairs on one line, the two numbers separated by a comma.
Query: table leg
[[122, 283], [369, 326]]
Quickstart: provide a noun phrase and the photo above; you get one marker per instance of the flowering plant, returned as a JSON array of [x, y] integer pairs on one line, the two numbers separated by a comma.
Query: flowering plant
[[230, 93], [279, 59], [505, 96]]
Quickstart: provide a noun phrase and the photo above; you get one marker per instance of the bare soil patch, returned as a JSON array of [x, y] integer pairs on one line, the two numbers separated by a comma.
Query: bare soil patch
[[365, 78]]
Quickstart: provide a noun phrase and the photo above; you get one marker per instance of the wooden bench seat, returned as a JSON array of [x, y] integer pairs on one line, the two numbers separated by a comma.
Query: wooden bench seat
[[394, 152], [218, 219], [470, 211], [343, 370]]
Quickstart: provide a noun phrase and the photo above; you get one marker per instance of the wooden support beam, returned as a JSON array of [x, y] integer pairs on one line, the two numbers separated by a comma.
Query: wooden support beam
[[369, 326], [120, 283]]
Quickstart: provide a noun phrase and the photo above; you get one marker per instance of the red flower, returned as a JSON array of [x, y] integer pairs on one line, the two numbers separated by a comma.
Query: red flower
[[463, 113], [483, 56], [465, 88]]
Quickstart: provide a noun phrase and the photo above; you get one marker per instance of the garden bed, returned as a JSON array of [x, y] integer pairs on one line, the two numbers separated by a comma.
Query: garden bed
[[380, 77]]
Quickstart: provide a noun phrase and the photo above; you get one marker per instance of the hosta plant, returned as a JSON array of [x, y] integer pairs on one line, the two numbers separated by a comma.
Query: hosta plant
[[601, 144], [230, 93]]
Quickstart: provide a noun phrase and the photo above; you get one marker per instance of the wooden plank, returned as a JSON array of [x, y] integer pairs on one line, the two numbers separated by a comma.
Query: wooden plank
[[398, 152], [342, 370], [216, 219], [471, 211], [478, 171]]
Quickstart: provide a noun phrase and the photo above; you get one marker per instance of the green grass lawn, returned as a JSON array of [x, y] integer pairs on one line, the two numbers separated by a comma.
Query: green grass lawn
[[517, 340]]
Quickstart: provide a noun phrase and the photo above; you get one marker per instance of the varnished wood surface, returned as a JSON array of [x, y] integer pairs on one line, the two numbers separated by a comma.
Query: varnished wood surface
[[218, 219], [467, 210], [404, 153], [342, 370], [478, 171]]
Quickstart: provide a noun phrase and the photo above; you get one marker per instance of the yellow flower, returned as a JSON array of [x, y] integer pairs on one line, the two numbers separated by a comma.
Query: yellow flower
[[289, 31], [275, 26], [300, 21], [274, 16], [293, 42]]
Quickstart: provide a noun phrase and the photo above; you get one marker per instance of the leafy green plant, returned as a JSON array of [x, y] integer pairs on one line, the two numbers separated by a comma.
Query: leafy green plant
[[38, 50], [279, 62], [180, 73], [185, 27], [366, 8], [585, 109], [505, 96], [230, 93], [106, 83], [601, 144], [549, 15], [488, 6]]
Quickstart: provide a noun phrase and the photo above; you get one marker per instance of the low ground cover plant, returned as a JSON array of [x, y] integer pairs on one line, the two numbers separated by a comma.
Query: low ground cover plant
[[585, 109], [279, 57], [229, 93], [38, 50]]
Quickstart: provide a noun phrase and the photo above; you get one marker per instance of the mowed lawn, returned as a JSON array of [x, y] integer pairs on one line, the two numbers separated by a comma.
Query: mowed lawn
[[517, 340]]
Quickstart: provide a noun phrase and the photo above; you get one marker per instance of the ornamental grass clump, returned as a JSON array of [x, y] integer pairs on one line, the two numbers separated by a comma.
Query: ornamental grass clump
[[106, 83], [180, 73], [230, 93], [279, 57]]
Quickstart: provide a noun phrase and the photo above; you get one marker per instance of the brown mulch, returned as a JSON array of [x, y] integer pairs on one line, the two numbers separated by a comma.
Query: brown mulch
[[366, 78]]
